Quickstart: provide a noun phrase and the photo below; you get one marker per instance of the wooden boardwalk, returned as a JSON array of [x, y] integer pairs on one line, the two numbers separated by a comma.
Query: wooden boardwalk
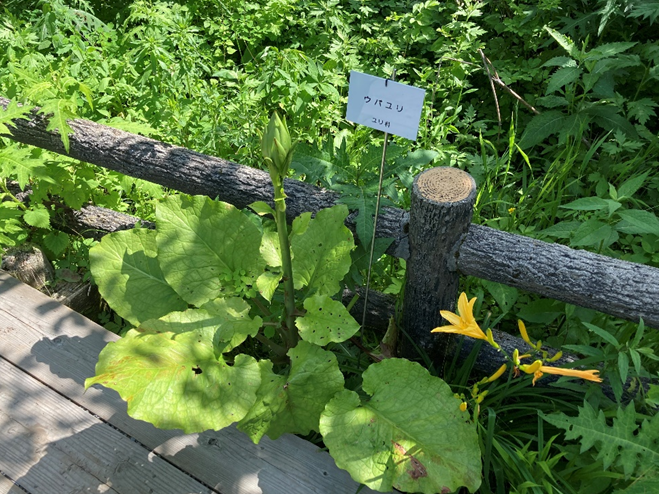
[[57, 439]]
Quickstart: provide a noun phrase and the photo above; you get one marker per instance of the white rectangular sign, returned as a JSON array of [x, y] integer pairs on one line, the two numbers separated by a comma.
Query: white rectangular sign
[[385, 105]]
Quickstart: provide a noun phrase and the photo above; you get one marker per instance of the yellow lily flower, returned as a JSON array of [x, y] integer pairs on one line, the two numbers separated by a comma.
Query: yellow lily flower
[[539, 370], [464, 323], [525, 335], [497, 374]]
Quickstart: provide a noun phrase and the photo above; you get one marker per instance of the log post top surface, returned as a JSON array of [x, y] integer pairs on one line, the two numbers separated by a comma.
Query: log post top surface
[[445, 185]]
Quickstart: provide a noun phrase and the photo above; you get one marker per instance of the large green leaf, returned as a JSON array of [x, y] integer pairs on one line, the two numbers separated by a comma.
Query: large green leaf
[[562, 77], [175, 381], [321, 252], [637, 221], [542, 126], [128, 276], [608, 118], [595, 233], [207, 248], [221, 321], [326, 320], [410, 435], [293, 403]]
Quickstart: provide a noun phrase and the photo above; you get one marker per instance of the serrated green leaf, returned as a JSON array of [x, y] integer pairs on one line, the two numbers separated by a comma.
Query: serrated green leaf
[[642, 109], [586, 204], [637, 221], [648, 10], [312, 162], [411, 434], [562, 77], [542, 126], [618, 444], [648, 483], [414, 160], [607, 117], [565, 42], [56, 242], [293, 403], [562, 229], [125, 268], [39, 217], [505, 296], [321, 254], [594, 233], [326, 320], [62, 111], [552, 101], [631, 186], [175, 381], [18, 162], [212, 231], [609, 49], [560, 62], [11, 113]]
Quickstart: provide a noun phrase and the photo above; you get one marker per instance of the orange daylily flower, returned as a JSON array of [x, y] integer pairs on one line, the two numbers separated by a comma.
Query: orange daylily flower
[[537, 369], [464, 322]]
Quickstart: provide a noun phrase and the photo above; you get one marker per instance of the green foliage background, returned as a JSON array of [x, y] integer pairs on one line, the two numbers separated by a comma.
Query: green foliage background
[[570, 157]]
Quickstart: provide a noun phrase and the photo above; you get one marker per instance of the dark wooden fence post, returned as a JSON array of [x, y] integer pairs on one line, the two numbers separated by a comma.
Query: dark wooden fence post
[[440, 215]]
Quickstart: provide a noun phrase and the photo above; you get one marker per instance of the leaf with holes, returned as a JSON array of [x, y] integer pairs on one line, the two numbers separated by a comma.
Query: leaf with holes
[[410, 435], [175, 381], [321, 253], [293, 402], [325, 320]]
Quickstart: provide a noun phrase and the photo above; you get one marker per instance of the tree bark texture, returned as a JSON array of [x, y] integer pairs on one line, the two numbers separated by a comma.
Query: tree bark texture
[[620, 288], [440, 215], [190, 172], [623, 289]]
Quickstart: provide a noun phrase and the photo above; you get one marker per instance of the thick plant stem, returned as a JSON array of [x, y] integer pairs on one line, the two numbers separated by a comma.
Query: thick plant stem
[[290, 333]]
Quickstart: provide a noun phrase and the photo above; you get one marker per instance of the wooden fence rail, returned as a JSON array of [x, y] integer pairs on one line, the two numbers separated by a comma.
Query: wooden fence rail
[[619, 288]]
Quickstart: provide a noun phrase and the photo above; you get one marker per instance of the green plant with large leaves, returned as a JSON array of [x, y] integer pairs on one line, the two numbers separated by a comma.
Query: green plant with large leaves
[[211, 282]]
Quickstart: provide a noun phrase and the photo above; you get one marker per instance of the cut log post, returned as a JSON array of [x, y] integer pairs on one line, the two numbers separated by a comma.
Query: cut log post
[[440, 215]]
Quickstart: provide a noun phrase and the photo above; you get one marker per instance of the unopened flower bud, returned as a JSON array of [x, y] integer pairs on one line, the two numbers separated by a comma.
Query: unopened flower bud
[[276, 146]]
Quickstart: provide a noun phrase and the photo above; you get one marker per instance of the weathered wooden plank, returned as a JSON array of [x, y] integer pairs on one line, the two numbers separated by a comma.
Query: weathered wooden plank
[[47, 440], [620, 288], [60, 348], [8, 487]]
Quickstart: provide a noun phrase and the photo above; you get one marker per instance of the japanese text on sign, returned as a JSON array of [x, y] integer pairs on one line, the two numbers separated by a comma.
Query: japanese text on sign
[[384, 105]]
